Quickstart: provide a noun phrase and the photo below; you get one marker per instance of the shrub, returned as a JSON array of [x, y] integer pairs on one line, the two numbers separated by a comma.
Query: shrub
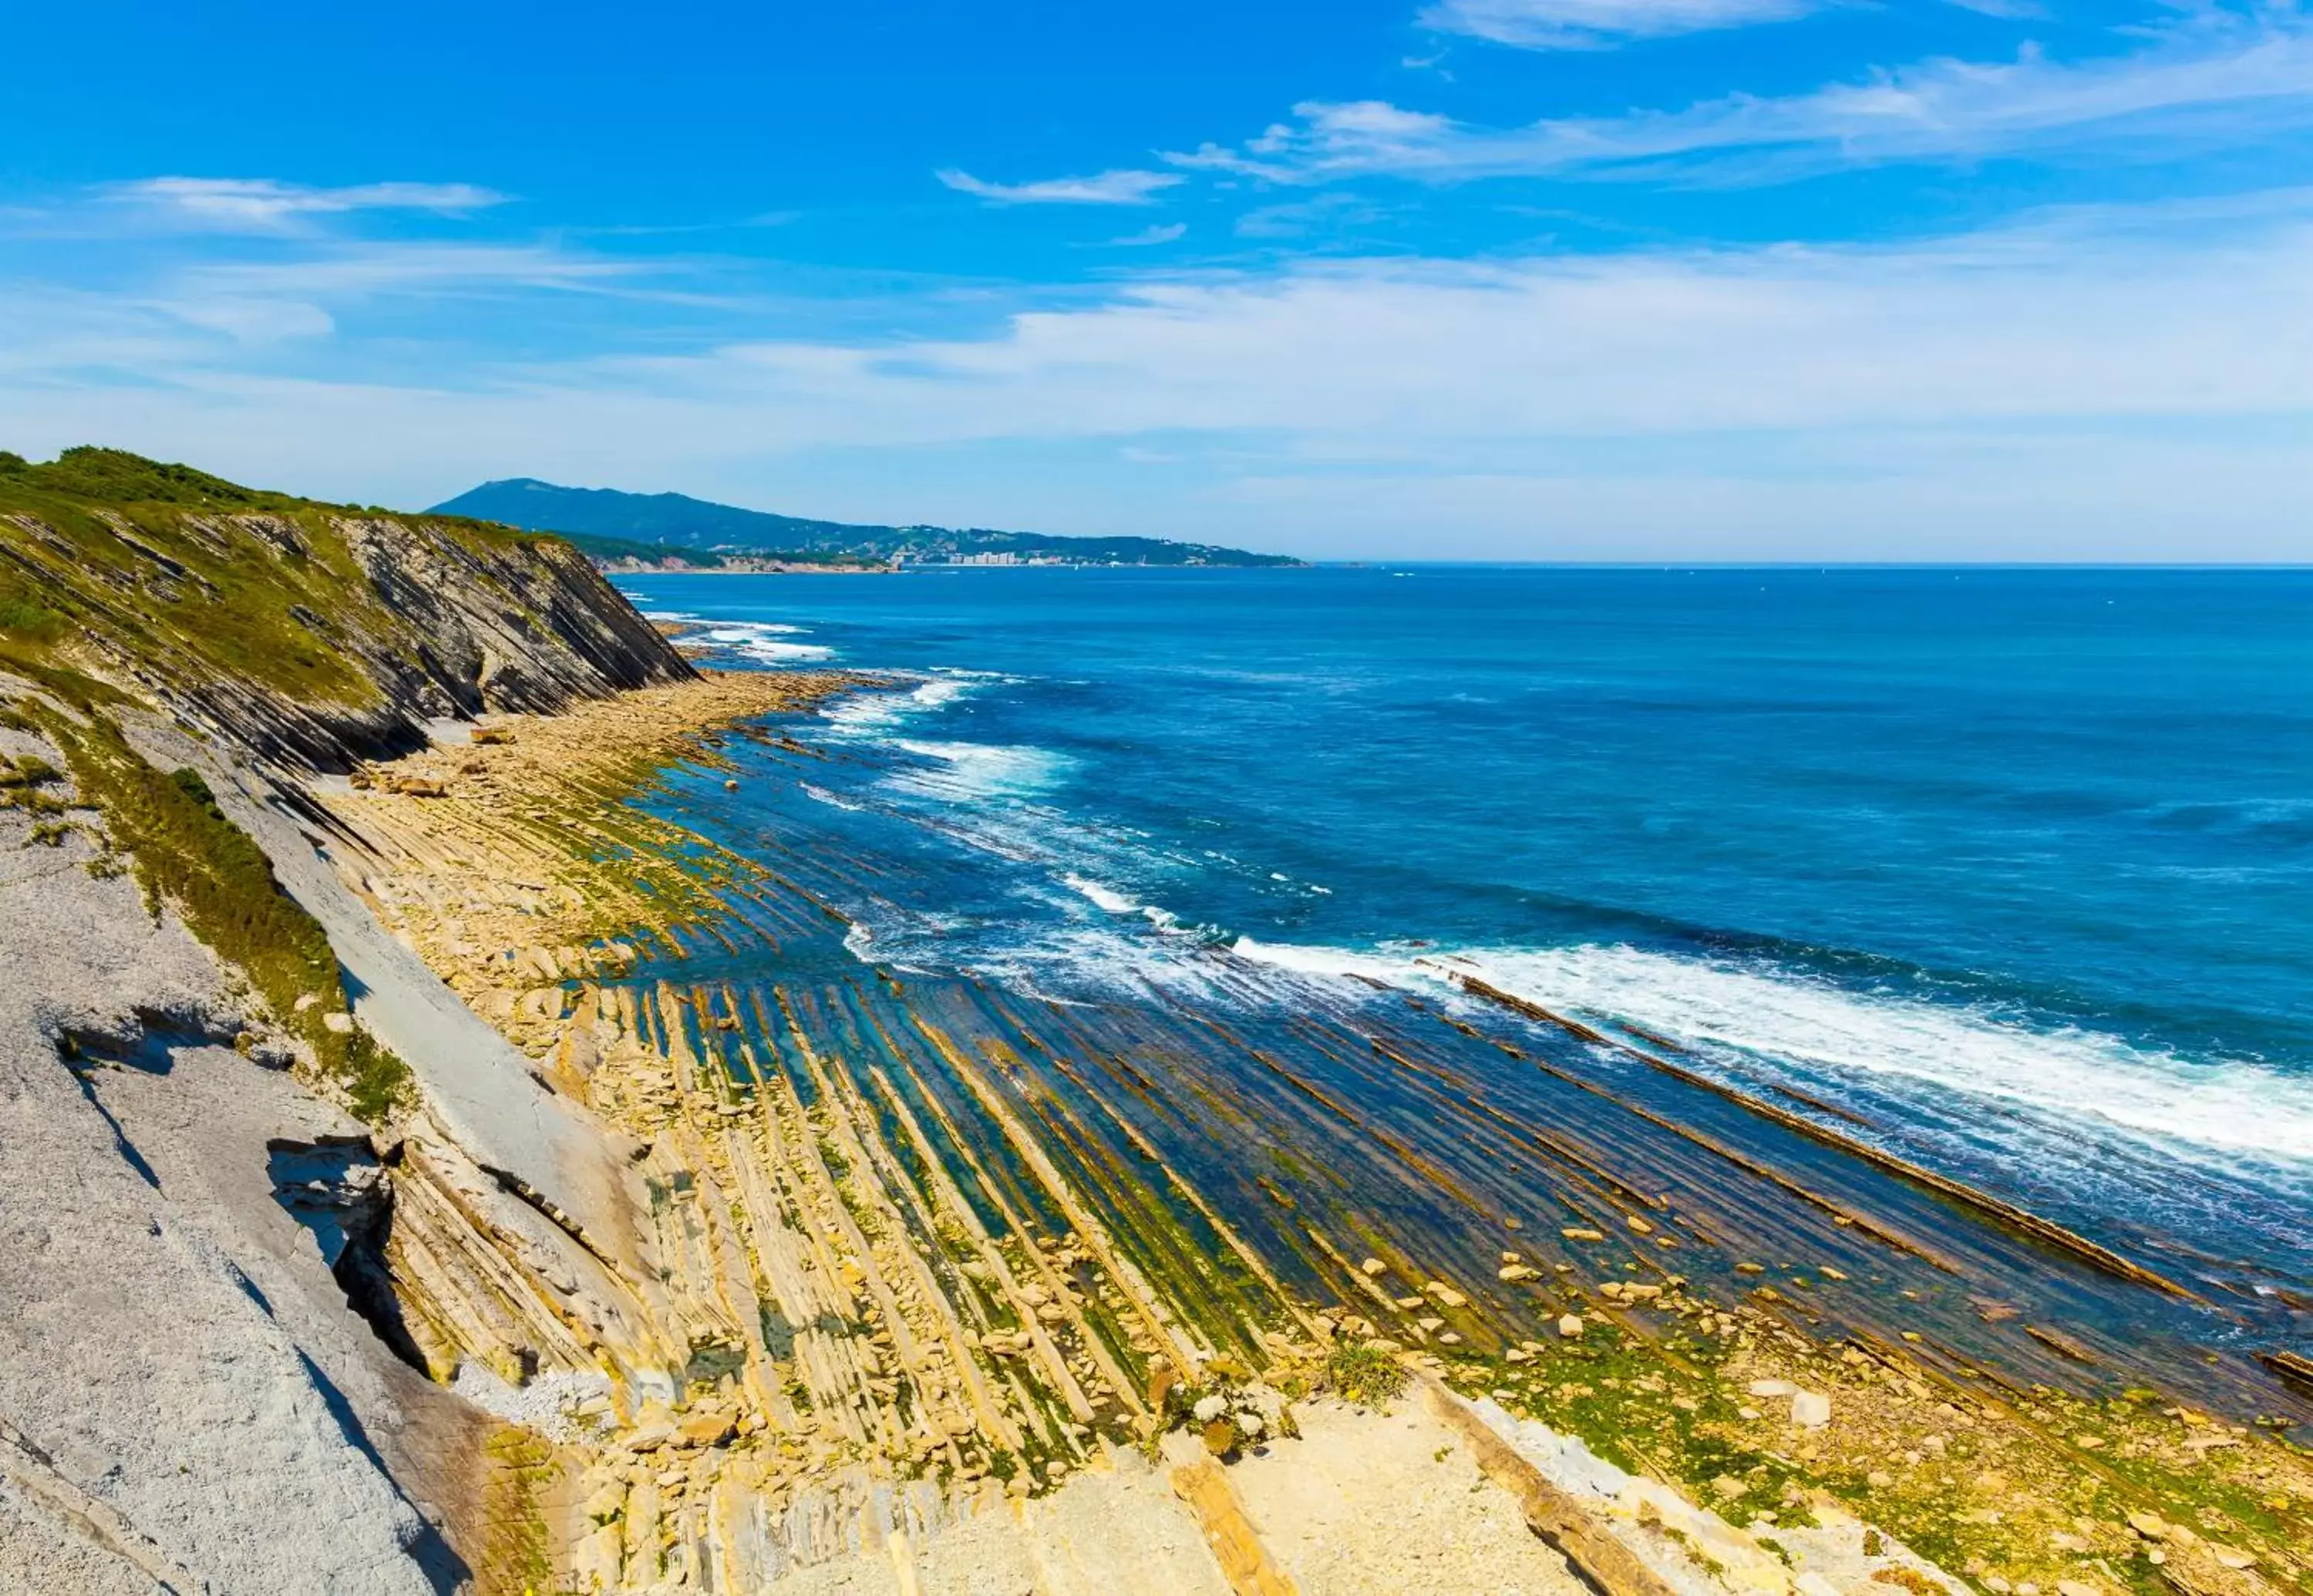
[[25, 619]]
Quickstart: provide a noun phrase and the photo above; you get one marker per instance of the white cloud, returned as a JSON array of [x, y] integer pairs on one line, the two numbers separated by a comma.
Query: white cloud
[[2216, 82], [2094, 383], [357, 270], [267, 205], [1168, 233], [2070, 319], [195, 318], [1107, 187], [1594, 24]]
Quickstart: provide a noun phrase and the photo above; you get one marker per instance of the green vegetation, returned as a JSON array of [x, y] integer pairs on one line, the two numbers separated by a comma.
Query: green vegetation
[[519, 1474], [22, 783], [200, 589], [1364, 1375], [107, 558], [185, 852], [117, 476]]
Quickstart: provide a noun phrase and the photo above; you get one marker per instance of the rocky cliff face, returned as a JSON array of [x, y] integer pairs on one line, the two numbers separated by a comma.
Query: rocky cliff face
[[187, 1400], [309, 635]]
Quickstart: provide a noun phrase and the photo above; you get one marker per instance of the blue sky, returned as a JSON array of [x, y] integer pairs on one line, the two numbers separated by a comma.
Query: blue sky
[[1526, 278]]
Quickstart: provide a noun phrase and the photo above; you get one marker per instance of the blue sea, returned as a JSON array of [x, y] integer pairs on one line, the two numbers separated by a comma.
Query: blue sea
[[2010, 869]]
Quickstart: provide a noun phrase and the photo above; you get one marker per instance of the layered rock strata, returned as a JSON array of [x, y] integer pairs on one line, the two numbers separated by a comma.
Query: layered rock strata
[[915, 1293]]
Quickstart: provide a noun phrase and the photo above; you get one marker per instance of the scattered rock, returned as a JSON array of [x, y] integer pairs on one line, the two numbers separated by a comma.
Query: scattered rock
[[1810, 1410], [707, 1429], [1569, 1325]]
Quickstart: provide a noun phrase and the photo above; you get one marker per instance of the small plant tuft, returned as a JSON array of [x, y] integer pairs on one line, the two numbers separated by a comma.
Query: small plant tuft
[[1364, 1374]]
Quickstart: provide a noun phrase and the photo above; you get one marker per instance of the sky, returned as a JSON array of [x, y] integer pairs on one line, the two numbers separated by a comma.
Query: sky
[[1581, 279]]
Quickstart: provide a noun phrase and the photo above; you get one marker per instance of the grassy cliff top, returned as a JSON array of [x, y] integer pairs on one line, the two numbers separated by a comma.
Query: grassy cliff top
[[115, 567]]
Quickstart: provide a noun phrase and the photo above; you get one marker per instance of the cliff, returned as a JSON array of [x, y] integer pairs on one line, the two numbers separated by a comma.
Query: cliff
[[309, 634], [200, 1090]]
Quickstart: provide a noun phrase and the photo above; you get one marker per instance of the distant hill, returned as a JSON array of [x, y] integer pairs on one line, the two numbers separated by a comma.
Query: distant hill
[[622, 524]]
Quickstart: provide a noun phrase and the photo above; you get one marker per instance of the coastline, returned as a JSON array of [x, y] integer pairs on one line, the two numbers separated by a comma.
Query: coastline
[[525, 875]]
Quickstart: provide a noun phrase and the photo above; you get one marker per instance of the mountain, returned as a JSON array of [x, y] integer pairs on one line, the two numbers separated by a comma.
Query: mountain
[[676, 523]]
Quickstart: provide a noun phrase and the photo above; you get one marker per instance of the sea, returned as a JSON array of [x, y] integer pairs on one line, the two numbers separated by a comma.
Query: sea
[[2011, 870]]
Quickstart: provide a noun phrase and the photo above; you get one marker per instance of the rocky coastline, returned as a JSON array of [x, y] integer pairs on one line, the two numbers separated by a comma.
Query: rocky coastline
[[918, 1353], [410, 1180]]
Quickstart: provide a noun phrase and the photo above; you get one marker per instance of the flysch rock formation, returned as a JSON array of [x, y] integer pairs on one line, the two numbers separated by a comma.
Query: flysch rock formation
[[648, 1280], [947, 1372]]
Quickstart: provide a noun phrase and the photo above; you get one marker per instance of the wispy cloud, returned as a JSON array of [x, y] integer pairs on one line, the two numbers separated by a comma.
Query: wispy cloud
[[1166, 232], [1327, 214], [2077, 315], [1597, 24], [2092, 370], [2215, 82], [1107, 187], [268, 205], [362, 270], [212, 315]]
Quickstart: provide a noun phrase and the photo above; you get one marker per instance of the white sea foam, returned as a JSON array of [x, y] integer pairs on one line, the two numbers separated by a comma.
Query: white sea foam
[[2215, 1114], [2236, 1108], [973, 772], [820, 795], [785, 653], [1114, 902], [863, 714], [1105, 897], [760, 639], [1306, 960]]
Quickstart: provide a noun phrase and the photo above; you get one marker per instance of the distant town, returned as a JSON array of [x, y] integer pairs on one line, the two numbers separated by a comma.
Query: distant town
[[670, 532]]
